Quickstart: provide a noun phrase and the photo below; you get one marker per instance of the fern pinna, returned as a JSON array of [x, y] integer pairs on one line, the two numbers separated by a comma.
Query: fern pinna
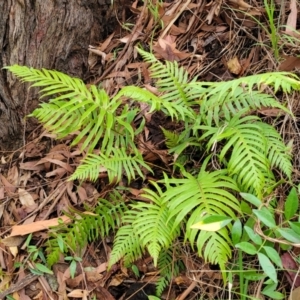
[[217, 122]]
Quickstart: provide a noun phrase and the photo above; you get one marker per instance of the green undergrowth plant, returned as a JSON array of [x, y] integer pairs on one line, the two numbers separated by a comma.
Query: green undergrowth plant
[[239, 154], [261, 234]]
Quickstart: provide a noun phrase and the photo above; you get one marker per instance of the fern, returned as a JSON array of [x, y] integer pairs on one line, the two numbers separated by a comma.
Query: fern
[[215, 116], [100, 121], [105, 217], [169, 268], [126, 245], [277, 152], [151, 225], [114, 164]]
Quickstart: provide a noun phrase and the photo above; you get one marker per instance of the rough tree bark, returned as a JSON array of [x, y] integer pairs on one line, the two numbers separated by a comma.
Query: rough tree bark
[[53, 34]]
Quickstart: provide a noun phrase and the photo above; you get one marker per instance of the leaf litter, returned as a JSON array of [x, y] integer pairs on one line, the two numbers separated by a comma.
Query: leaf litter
[[214, 41]]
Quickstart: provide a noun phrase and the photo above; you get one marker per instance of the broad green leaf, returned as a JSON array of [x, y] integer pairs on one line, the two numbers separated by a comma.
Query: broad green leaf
[[43, 268], [60, 243], [253, 236], [72, 267], [212, 223], [247, 248], [253, 275], [274, 295], [295, 226], [270, 291], [273, 255], [252, 199], [153, 298], [267, 266], [246, 208], [236, 232], [291, 204], [289, 235], [265, 216], [135, 270]]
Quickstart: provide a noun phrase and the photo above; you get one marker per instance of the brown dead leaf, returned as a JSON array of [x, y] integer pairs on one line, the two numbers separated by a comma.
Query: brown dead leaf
[[34, 149], [234, 66], [25, 198], [60, 163], [79, 294], [241, 4], [7, 185], [70, 192], [291, 269], [117, 280], [82, 194], [74, 282], [292, 18], [59, 172], [102, 293], [166, 48], [61, 284], [13, 241], [13, 176], [271, 112], [38, 225], [14, 251], [102, 268], [93, 276], [295, 294], [246, 62], [215, 7], [31, 166], [106, 42], [1, 209], [290, 63]]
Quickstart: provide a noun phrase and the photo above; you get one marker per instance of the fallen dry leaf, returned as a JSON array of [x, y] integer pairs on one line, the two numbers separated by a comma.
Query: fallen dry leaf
[[7, 185], [271, 112], [234, 66], [290, 63], [166, 48], [38, 225], [25, 198], [78, 294], [295, 294], [292, 18], [291, 268], [13, 241]]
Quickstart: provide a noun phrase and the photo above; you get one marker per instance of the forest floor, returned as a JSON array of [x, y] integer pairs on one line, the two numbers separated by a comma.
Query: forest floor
[[218, 41]]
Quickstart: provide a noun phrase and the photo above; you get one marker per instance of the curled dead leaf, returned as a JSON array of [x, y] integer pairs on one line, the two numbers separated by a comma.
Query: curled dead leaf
[[234, 66]]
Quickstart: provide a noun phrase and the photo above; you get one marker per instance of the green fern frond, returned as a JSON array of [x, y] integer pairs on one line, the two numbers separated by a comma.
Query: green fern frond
[[55, 82], [223, 99], [230, 104], [213, 246], [153, 223], [248, 160], [99, 222], [172, 138], [172, 108], [172, 82], [53, 254], [246, 147], [126, 245], [285, 81], [74, 107], [217, 247], [114, 164], [169, 268], [277, 152], [208, 193]]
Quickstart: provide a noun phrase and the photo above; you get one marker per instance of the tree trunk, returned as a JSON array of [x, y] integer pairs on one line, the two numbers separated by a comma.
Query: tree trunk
[[52, 34]]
